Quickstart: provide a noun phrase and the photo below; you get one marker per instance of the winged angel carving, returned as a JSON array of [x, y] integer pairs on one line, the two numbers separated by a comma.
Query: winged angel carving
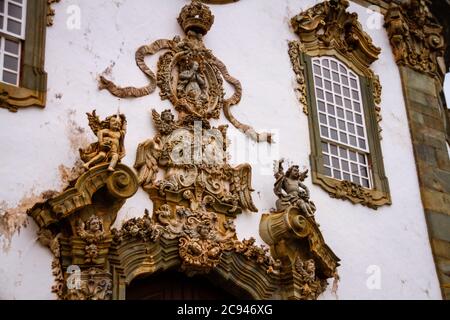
[[189, 75], [110, 145]]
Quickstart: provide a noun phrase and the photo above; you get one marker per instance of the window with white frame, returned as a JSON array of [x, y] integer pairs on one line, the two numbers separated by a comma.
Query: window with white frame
[[12, 34], [342, 127]]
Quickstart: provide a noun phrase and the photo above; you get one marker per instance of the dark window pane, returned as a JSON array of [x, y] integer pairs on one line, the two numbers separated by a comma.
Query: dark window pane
[[337, 88], [325, 63], [326, 73], [321, 106], [332, 122], [11, 47], [328, 85], [345, 80], [343, 70], [362, 158], [334, 150], [2, 6], [324, 131], [9, 77], [346, 92], [338, 100], [336, 76], [330, 109], [327, 171], [355, 95], [322, 118], [357, 106], [362, 143], [317, 70], [348, 103], [351, 128], [14, 27], [360, 131], [1, 22], [340, 112], [334, 134], [343, 152], [347, 177], [334, 65], [352, 155], [14, 11], [353, 141], [319, 94], [337, 174], [354, 168], [358, 119], [329, 97], [365, 183], [11, 63], [343, 137], [355, 179], [345, 165], [341, 124], [335, 162], [363, 171], [349, 116], [325, 147], [326, 160], [318, 82], [353, 83]]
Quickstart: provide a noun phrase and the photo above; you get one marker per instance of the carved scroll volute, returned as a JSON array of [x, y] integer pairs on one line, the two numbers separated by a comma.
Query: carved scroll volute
[[328, 26]]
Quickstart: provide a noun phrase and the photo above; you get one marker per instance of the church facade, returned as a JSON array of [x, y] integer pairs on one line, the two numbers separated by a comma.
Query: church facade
[[246, 149]]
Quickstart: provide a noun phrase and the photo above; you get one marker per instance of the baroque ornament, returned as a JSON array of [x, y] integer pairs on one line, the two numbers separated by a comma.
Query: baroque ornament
[[328, 29], [416, 37], [294, 236], [75, 224], [50, 12], [189, 75]]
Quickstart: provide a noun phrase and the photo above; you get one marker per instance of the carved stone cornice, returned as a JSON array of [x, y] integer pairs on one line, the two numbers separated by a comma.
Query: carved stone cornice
[[416, 37], [120, 184], [342, 189], [328, 25]]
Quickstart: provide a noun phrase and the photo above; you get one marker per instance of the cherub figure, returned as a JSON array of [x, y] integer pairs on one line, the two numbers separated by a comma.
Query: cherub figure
[[291, 191], [110, 145]]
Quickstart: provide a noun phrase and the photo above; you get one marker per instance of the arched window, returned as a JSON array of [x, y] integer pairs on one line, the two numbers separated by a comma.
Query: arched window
[[340, 94], [341, 120]]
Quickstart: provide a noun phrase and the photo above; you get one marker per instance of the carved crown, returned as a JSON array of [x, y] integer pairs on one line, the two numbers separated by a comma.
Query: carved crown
[[196, 17]]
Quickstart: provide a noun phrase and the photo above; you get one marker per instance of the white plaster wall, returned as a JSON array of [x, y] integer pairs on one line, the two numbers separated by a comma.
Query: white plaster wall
[[250, 37]]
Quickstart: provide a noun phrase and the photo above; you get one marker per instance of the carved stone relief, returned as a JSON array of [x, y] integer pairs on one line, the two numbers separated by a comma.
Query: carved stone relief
[[75, 224], [189, 75], [416, 37], [294, 236]]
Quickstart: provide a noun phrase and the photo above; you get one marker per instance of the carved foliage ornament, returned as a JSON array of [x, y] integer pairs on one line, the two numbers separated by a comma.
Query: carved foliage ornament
[[203, 237], [416, 37], [189, 75], [328, 29]]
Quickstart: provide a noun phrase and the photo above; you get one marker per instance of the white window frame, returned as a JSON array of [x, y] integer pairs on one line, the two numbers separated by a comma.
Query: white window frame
[[23, 20], [328, 121]]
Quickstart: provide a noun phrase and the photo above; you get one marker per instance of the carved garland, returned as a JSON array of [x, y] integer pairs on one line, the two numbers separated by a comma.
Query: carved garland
[[328, 29]]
